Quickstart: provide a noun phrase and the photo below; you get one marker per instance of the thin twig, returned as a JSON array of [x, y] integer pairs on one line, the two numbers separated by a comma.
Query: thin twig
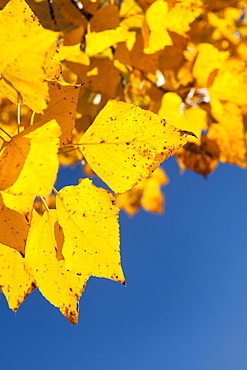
[[52, 13], [79, 6]]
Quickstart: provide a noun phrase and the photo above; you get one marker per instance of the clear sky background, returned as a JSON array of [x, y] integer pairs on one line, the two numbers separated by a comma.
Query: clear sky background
[[185, 304]]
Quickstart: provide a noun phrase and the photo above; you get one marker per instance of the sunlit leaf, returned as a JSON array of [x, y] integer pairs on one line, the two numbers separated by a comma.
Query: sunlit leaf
[[89, 219], [177, 69], [209, 58], [153, 198], [146, 193], [97, 42], [15, 282], [61, 287], [126, 143], [24, 45], [32, 157], [191, 119], [73, 53], [182, 15], [156, 21], [230, 84], [129, 8], [229, 132], [20, 203]]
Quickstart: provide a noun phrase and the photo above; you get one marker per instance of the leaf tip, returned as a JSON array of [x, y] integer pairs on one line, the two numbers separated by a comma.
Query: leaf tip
[[72, 316], [187, 134]]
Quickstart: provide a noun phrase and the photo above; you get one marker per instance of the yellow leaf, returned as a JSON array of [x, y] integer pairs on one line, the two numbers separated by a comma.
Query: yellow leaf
[[53, 68], [153, 198], [182, 15], [242, 51], [195, 119], [61, 287], [171, 107], [225, 28], [93, 72], [14, 280], [192, 119], [24, 45], [62, 108], [229, 132], [19, 203], [146, 193], [97, 42], [156, 19], [135, 21], [185, 73], [89, 219], [130, 200], [129, 8], [232, 149], [208, 59], [130, 40], [230, 84], [126, 143], [73, 53], [32, 158], [14, 228]]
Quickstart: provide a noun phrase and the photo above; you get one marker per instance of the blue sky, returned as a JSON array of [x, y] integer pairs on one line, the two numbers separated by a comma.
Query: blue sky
[[185, 304]]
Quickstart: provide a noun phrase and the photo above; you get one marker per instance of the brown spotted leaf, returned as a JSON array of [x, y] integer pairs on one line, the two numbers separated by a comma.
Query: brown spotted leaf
[[126, 143]]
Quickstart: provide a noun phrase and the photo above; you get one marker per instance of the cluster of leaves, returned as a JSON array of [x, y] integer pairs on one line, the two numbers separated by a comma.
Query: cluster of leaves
[[60, 249], [183, 61]]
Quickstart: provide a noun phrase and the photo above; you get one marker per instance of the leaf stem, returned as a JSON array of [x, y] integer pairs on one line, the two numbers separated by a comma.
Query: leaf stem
[[32, 118], [6, 133], [44, 202], [67, 151], [19, 116], [55, 191]]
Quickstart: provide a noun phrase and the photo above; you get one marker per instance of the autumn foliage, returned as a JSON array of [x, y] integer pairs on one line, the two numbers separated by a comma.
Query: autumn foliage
[[119, 86]]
